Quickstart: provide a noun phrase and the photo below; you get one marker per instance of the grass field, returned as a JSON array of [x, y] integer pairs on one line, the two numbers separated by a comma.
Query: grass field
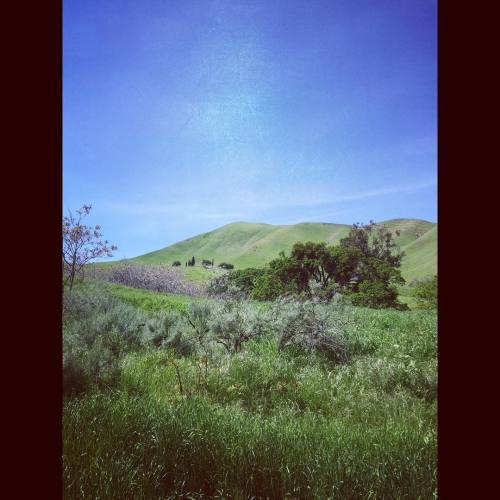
[[149, 301], [260, 423], [247, 244]]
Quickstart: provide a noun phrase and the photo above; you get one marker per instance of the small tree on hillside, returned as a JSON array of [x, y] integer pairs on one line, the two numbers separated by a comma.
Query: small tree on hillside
[[81, 244]]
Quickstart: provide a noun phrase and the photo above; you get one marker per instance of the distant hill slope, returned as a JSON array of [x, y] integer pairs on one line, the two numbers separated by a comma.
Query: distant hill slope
[[421, 256], [247, 244]]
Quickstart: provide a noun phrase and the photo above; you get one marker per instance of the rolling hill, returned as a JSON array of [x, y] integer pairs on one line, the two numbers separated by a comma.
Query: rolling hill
[[248, 244]]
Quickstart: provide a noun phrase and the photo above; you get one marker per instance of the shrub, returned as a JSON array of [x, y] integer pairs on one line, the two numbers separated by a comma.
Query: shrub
[[244, 279], [311, 327], [197, 318], [377, 295], [234, 323], [165, 330], [425, 291], [98, 330], [235, 284], [176, 263], [226, 265], [151, 277], [267, 287], [218, 285]]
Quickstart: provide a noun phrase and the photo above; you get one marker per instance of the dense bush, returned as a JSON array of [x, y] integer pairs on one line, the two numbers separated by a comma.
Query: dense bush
[[425, 292], [166, 330], [311, 327], [267, 287], [176, 263], [377, 295], [219, 285], [235, 284], [98, 330], [226, 265], [235, 322]]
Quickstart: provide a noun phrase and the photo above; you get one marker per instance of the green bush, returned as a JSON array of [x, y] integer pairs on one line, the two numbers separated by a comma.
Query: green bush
[[226, 265], [176, 263], [267, 287], [376, 295], [425, 292], [235, 284]]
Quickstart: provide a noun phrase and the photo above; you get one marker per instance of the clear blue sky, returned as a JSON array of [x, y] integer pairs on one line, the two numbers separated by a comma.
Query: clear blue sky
[[181, 116]]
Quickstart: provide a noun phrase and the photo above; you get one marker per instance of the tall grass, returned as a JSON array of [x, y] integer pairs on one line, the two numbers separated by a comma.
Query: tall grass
[[263, 422], [123, 446]]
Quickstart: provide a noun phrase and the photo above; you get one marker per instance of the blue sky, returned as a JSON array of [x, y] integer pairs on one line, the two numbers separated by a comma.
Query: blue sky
[[182, 116]]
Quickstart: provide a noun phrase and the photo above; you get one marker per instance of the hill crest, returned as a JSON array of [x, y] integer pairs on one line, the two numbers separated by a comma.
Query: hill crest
[[254, 244]]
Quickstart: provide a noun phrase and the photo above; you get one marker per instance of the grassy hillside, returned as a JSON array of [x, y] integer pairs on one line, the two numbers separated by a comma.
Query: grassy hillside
[[421, 256], [247, 244]]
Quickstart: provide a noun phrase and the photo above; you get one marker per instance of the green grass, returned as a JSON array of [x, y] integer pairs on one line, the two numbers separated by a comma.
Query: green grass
[[263, 423], [150, 301], [246, 244], [421, 256], [198, 274]]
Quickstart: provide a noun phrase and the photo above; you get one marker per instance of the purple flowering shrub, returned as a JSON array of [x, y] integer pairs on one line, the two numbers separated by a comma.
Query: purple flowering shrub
[[151, 277]]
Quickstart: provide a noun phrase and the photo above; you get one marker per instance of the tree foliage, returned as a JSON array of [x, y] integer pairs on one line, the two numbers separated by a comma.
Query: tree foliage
[[365, 266]]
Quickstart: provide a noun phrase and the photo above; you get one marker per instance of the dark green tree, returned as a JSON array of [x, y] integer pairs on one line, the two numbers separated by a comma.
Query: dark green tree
[[377, 271]]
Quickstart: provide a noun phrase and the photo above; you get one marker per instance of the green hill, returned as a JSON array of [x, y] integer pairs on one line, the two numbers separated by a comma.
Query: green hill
[[421, 256], [248, 244]]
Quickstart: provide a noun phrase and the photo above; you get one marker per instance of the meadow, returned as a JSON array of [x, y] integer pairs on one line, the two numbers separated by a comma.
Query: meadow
[[174, 396]]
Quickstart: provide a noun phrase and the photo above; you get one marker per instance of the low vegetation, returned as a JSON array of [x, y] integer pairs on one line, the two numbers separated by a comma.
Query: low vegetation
[[233, 399], [425, 293]]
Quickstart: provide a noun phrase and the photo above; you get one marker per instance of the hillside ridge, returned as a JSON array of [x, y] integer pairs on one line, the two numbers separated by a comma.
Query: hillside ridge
[[254, 244]]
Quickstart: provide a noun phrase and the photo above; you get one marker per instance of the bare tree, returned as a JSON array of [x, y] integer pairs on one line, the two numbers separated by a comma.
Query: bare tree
[[81, 244]]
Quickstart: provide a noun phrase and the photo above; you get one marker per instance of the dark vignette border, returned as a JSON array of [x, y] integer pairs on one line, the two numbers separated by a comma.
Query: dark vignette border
[[464, 468], [32, 207]]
